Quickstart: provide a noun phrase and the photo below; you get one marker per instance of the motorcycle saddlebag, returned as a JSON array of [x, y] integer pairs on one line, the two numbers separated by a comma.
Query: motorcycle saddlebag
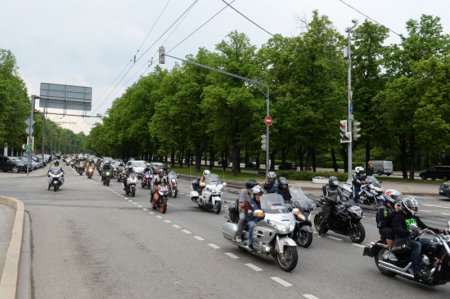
[[229, 230]]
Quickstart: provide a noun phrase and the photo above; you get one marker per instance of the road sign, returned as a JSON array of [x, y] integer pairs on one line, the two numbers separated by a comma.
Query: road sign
[[27, 122], [30, 143], [343, 134], [268, 120], [60, 96], [29, 130]]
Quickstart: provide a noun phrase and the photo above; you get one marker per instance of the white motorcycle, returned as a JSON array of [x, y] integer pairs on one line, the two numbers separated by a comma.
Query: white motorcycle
[[56, 178], [130, 185], [210, 197]]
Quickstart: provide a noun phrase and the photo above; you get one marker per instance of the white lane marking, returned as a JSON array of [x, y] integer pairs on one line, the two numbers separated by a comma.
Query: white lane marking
[[151, 213], [139, 206], [281, 281], [358, 245], [160, 217], [256, 268], [199, 238], [126, 198], [309, 296], [145, 209], [426, 211], [176, 226], [186, 231], [334, 238], [446, 214], [436, 206], [213, 246], [233, 256], [135, 203], [167, 221]]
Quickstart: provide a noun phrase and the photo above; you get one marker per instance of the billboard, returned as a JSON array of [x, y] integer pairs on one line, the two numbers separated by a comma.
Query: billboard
[[67, 97]]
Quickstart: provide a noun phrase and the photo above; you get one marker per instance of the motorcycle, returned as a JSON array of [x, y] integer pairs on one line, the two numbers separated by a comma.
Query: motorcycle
[[90, 171], [80, 168], [106, 177], [210, 196], [56, 176], [371, 192], [271, 233], [435, 258], [146, 181], [345, 220], [130, 185], [173, 182], [302, 208], [161, 204]]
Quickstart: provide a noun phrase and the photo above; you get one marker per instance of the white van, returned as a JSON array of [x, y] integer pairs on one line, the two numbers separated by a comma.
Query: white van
[[382, 167]]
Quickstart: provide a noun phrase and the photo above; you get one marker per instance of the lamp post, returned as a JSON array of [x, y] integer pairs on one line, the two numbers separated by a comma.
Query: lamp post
[[349, 95]]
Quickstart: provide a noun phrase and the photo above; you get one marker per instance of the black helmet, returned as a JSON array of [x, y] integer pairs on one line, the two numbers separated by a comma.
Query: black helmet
[[409, 205], [57, 163], [333, 182], [249, 184]]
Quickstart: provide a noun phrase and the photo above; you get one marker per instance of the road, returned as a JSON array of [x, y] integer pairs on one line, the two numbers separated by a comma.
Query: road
[[91, 241]]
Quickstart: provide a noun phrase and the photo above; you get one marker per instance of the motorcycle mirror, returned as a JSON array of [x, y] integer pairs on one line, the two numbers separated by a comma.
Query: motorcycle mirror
[[413, 227]]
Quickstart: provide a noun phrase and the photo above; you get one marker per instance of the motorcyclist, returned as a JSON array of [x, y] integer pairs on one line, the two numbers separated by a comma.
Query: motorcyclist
[[201, 182], [106, 166], [128, 170], [244, 196], [54, 166], [271, 184], [157, 180], [283, 190], [402, 223], [331, 193], [249, 207], [384, 216], [359, 178]]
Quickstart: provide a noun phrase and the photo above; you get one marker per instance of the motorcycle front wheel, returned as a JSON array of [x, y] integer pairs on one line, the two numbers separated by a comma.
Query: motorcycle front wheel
[[133, 191], [163, 207], [357, 234], [217, 207], [303, 239], [287, 261], [318, 221]]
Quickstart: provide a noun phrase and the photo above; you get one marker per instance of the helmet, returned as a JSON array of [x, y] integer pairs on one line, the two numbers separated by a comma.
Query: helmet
[[161, 172], [391, 195], [257, 190], [284, 181], [333, 182], [271, 177], [206, 172], [409, 205], [359, 169], [57, 163], [250, 184], [130, 167]]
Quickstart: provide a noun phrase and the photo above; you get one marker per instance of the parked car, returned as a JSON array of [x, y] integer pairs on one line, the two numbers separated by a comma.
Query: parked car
[[382, 167], [13, 164], [138, 166], [444, 189], [288, 166], [155, 166], [436, 172]]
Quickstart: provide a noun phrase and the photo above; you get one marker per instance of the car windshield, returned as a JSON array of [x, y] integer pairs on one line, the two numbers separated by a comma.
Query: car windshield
[[138, 164], [273, 203], [300, 200]]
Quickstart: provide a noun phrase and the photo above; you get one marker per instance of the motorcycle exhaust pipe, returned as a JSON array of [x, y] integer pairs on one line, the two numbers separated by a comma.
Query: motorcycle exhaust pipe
[[395, 269]]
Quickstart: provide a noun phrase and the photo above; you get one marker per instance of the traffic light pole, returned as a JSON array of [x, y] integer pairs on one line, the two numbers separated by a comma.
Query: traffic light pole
[[33, 100], [350, 104]]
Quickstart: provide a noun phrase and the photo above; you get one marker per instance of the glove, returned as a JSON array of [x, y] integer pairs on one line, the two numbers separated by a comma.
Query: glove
[[250, 212]]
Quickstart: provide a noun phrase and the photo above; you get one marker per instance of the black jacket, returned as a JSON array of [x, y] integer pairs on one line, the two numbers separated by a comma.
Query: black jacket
[[384, 216], [401, 223]]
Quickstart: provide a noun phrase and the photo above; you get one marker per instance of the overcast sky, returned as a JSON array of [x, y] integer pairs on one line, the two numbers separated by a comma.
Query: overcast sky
[[89, 43]]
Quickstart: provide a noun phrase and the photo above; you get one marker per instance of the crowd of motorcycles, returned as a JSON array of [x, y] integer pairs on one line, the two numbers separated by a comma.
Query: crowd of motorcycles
[[283, 226]]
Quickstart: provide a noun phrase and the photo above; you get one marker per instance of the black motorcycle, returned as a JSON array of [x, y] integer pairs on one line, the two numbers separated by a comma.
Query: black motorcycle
[[345, 220], [435, 258], [106, 177], [303, 233]]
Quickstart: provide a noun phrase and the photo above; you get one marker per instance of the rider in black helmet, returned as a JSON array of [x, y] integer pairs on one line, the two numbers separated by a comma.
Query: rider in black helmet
[[331, 193]]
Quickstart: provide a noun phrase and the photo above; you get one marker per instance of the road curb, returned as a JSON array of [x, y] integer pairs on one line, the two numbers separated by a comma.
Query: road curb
[[10, 275]]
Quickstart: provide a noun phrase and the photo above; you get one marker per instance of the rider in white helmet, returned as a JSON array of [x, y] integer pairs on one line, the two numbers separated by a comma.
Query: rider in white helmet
[[359, 178]]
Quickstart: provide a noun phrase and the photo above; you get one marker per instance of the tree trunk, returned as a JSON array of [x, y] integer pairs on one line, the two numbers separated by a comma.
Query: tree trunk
[[225, 161], [313, 156], [344, 156], [198, 157], [333, 158], [412, 155], [272, 160], [403, 157], [367, 153], [236, 155], [301, 160], [211, 157], [283, 156], [172, 158]]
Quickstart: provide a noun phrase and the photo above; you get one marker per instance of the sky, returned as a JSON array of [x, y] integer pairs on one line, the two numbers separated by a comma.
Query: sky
[[91, 43]]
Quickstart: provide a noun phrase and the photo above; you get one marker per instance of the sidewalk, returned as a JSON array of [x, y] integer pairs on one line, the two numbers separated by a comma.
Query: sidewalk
[[7, 215]]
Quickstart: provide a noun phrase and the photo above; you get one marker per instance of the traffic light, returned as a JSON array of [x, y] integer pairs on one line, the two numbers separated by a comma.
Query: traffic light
[[356, 130], [162, 55], [344, 135], [263, 142]]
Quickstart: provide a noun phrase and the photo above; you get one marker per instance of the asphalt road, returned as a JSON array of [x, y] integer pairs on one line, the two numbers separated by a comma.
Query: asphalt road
[[91, 241]]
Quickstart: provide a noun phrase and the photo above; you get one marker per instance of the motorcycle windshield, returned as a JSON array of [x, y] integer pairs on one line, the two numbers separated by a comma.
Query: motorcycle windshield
[[300, 200], [54, 170], [273, 203], [172, 174], [374, 181], [212, 179]]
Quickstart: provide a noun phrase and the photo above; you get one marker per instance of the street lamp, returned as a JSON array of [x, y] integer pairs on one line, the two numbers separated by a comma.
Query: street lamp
[[349, 95]]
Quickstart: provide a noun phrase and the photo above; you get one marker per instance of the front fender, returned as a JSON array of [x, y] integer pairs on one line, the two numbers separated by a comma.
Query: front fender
[[214, 199], [306, 228], [283, 241]]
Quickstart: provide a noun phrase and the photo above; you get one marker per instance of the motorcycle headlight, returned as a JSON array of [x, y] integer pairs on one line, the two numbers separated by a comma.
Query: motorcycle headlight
[[174, 181], [377, 189], [282, 228], [292, 226]]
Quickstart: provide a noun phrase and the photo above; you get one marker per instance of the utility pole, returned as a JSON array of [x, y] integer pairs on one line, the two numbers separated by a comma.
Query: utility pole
[[349, 95]]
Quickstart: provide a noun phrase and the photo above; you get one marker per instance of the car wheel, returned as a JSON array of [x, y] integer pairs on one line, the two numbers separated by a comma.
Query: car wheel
[[15, 169]]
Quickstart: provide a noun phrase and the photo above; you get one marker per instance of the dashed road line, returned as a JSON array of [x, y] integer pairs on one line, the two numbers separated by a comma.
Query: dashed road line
[[358, 245], [145, 209], [135, 203], [334, 238], [139, 206], [281, 281], [425, 211], [213, 246], [176, 226], [253, 267], [446, 214], [167, 221], [233, 256], [151, 213], [309, 296], [199, 238], [186, 231], [435, 206]]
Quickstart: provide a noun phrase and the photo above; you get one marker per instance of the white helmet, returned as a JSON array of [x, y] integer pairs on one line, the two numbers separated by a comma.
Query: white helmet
[[257, 190], [206, 172], [271, 177], [359, 169]]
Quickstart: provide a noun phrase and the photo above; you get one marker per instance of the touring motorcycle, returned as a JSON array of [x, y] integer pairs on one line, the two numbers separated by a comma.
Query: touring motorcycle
[[208, 198]]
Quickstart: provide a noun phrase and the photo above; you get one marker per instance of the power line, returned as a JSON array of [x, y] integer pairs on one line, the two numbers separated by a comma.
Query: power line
[[373, 20], [254, 23]]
